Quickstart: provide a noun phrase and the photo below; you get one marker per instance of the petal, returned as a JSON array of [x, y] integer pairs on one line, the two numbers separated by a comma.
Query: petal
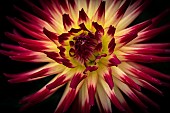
[[149, 34], [67, 22], [63, 38], [119, 74], [127, 19], [119, 13], [136, 28], [39, 96], [150, 71], [111, 94], [147, 50], [39, 11], [82, 16], [25, 29], [35, 74], [142, 58], [122, 100], [147, 100], [51, 35], [148, 86], [37, 21], [103, 100], [113, 60], [123, 87], [99, 16], [111, 30], [63, 5], [111, 46], [156, 20], [30, 57], [92, 7], [138, 73], [67, 98], [77, 77], [34, 98], [91, 85], [14, 47], [111, 8], [106, 73], [84, 98], [61, 78]]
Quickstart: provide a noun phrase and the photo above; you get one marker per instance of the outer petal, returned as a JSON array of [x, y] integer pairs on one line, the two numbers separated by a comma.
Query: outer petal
[[67, 98], [119, 74], [92, 80], [102, 100], [129, 93], [129, 17], [84, 98], [44, 71], [111, 94]]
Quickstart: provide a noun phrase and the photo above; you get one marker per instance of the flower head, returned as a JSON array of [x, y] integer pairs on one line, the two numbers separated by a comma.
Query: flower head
[[90, 47]]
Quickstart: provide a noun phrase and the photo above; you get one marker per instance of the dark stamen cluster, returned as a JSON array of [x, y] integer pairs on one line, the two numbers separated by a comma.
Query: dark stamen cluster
[[83, 47]]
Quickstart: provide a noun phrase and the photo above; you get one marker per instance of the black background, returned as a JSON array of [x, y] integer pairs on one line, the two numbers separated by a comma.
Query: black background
[[10, 94]]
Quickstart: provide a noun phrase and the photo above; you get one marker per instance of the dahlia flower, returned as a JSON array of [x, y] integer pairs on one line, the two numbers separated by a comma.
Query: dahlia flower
[[91, 49]]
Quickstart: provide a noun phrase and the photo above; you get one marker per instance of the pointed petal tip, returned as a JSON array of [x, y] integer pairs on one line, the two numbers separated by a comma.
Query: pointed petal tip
[[77, 78], [109, 80], [67, 21], [91, 92], [82, 16], [111, 30]]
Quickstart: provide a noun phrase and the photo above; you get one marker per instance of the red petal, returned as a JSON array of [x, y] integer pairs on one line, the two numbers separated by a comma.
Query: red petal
[[82, 16], [98, 27], [51, 35], [111, 30], [34, 99], [147, 99], [67, 21], [145, 58], [120, 12], [151, 72], [114, 61], [73, 30], [111, 45], [67, 100], [139, 73], [25, 29], [149, 34], [150, 87], [62, 51], [59, 81], [63, 4], [90, 68], [109, 80], [72, 3], [67, 63], [63, 37], [100, 13], [83, 27], [39, 11], [91, 92], [124, 39], [77, 78], [130, 82], [98, 48], [86, 107]]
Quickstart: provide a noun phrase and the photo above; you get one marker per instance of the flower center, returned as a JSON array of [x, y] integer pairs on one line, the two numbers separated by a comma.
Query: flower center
[[83, 48], [88, 47]]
